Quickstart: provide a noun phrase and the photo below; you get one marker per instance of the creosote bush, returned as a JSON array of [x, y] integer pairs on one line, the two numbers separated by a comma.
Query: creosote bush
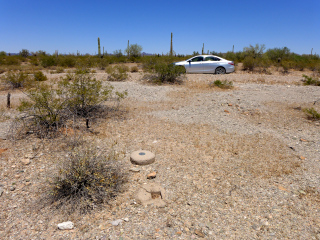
[[85, 179], [165, 73], [312, 113], [17, 79], [39, 76], [222, 84], [78, 95], [310, 81], [117, 73]]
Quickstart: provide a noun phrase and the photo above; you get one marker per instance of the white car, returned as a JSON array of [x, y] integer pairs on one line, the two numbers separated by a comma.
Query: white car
[[207, 64]]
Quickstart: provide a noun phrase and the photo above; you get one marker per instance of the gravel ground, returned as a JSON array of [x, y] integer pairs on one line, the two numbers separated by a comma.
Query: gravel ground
[[242, 163]]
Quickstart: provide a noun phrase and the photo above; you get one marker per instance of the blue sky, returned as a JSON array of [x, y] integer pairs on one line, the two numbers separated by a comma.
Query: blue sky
[[71, 26]]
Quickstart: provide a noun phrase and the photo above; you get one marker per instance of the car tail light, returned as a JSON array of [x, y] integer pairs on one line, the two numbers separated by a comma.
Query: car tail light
[[231, 63]]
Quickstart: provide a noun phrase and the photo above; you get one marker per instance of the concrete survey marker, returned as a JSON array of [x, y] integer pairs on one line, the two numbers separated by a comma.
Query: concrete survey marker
[[142, 157], [151, 193]]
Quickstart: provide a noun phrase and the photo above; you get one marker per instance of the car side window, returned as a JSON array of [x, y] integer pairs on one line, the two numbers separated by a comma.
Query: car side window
[[197, 59], [212, 59]]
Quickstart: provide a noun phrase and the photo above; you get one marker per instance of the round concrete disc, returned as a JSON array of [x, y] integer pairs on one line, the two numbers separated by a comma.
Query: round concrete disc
[[142, 157]]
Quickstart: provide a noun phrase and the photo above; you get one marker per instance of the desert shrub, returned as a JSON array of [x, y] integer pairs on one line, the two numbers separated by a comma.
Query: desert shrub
[[48, 61], [44, 108], [102, 63], [39, 76], [310, 80], [222, 84], [59, 70], [11, 60], [83, 93], [249, 63], [17, 79], [312, 113], [3, 53], [164, 72], [85, 179], [117, 73], [134, 69], [285, 66], [67, 61]]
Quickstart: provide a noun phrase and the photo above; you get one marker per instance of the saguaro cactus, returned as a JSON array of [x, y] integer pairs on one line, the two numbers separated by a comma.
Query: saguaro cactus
[[171, 49], [99, 49]]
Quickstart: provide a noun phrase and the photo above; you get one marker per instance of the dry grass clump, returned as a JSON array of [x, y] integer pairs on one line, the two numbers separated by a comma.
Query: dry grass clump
[[85, 179], [312, 113]]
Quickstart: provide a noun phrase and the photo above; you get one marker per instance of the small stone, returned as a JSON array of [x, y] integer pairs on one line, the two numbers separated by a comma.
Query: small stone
[[230, 104], [126, 219], [226, 111], [16, 176], [179, 233], [28, 183], [151, 175], [1, 191], [25, 161], [186, 229], [134, 169], [116, 222], [303, 140], [12, 188], [199, 233], [66, 225], [302, 158]]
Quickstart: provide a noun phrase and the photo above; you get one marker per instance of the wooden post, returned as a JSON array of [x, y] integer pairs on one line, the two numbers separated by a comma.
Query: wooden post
[[8, 100], [87, 123]]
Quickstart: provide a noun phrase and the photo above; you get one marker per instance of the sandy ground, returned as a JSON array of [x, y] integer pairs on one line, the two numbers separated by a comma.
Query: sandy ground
[[242, 163]]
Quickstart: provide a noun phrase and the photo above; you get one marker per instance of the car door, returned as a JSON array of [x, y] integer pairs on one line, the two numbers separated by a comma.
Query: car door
[[210, 64], [195, 65]]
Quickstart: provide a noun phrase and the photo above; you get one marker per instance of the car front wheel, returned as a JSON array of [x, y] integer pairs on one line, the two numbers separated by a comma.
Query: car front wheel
[[220, 70]]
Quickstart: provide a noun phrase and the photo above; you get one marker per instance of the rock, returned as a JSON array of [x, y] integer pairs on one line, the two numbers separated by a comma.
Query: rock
[[12, 188], [1, 191], [2, 150], [25, 161], [199, 233], [151, 194], [226, 111], [142, 157], [116, 222], [126, 219], [134, 169], [66, 225], [179, 233], [151, 175], [302, 158], [230, 104], [303, 140]]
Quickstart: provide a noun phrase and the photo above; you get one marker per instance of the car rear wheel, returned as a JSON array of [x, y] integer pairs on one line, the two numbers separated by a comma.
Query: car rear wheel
[[220, 70]]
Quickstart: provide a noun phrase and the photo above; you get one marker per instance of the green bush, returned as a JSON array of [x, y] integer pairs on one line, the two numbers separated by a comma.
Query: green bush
[[222, 84], [48, 61], [117, 73], [39, 76], [249, 63], [17, 79], [164, 72], [312, 113], [85, 179], [83, 93], [310, 80], [45, 107]]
